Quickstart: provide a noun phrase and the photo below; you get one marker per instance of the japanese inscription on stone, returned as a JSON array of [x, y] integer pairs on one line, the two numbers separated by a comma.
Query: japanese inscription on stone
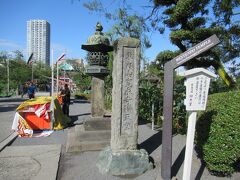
[[197, 92], [127, 91]]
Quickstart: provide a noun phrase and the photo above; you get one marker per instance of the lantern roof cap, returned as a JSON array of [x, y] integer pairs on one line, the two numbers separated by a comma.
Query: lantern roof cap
[[98, 41]]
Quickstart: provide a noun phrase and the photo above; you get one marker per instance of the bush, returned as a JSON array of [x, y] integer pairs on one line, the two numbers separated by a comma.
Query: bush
[[179, 109], [153, 94], [82, 96], [218, 133]]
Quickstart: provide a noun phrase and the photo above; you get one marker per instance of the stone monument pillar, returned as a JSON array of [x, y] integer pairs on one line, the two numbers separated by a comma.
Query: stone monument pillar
[[123, 157], [97, 97]]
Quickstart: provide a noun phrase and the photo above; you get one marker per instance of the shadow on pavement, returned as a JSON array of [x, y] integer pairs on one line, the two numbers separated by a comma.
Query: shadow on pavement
[[81, 101], [178, 162], [76, 117], [13, 99], [142, 122], [152, 143], [200, 172], [10, 107]]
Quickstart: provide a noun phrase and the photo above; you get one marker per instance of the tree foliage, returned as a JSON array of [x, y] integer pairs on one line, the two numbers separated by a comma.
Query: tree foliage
[[19, 71], [126, 22], [189, 23]]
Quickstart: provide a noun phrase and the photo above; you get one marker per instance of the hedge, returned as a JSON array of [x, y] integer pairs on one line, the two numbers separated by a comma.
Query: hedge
[[218, 133], [82, 96]]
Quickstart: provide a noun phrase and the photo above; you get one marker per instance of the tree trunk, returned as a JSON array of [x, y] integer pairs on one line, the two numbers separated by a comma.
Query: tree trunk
[[223, 74]]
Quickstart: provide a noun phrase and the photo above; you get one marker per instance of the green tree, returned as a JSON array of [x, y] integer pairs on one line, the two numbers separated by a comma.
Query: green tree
[[150, 91], [82, 81], [18, 55], [78, 75], [127, 23], [189, 23], [3, 68], [41, 72], [19, 71]]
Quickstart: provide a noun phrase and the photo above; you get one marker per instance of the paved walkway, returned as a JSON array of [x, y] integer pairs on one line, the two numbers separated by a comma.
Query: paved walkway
[[35, 155], [7, 112], [30, 162], [82, 166]]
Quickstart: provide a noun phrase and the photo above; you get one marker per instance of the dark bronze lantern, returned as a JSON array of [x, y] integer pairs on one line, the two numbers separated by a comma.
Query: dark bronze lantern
[[98, 47]]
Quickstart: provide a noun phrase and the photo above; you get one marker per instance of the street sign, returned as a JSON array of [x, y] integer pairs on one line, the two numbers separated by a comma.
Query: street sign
[[169, 67], [195, 50]]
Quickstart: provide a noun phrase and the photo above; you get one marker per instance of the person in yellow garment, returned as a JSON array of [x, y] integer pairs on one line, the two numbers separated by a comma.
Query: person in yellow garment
[[65, 93]]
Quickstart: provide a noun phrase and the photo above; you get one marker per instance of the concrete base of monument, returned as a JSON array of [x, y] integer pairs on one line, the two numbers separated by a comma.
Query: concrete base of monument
[[128, 163], [94, 134], [97, 123]]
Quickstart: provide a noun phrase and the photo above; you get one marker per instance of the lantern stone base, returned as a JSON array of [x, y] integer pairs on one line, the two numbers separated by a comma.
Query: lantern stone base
[[123, 162], [97, 71]]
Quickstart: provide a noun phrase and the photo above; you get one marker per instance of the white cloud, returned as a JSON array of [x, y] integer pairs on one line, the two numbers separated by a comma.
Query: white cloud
[[6, 44], [10, 46], [58, 49]]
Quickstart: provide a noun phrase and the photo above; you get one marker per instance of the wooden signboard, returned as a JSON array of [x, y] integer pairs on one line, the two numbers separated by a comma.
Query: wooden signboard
[[197, 85]]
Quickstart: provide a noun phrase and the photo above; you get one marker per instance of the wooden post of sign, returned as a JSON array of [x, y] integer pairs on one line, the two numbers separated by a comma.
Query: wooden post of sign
[[189, 145]]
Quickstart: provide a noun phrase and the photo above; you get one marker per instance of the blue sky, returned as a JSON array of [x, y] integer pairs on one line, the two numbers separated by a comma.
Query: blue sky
[[71, 24]]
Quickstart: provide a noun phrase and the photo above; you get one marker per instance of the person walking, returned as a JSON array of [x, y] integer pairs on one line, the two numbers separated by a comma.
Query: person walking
[[65, 93], [31, 90]]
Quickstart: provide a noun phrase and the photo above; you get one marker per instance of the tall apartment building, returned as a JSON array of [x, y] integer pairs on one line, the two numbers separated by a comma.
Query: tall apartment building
[[38, 40]]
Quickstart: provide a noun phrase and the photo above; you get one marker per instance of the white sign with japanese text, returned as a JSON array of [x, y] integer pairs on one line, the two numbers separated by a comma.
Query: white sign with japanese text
[[197, 85], [197, 92]]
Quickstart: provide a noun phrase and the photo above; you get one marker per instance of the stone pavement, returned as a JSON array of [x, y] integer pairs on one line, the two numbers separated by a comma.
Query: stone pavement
[[30, 162], [7, 111], [43, 158], [82, 166]]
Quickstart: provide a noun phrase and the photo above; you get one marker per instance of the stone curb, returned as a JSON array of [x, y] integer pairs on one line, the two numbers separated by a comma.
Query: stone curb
[[8, 140]]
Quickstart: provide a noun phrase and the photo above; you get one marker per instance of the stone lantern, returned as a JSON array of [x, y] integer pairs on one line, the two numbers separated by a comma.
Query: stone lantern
[[98, 47], [94, 133]]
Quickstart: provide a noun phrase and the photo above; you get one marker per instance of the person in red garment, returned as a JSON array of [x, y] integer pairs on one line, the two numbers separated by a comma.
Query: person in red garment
[[65, 93]]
